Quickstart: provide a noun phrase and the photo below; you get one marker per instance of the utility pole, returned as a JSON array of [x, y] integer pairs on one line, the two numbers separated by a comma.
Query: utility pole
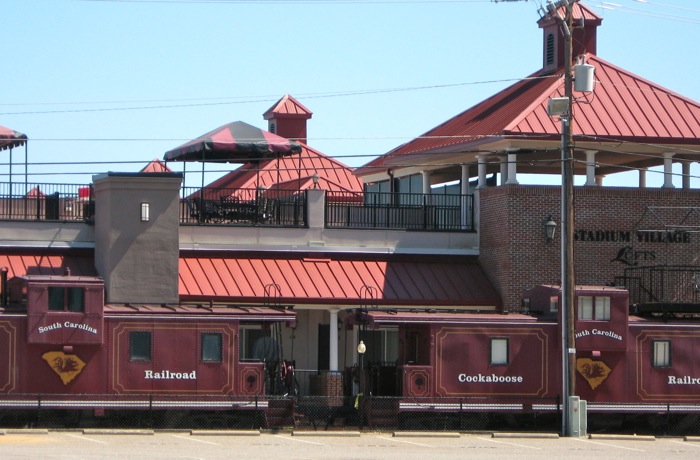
[[568, 284], [568, 278]]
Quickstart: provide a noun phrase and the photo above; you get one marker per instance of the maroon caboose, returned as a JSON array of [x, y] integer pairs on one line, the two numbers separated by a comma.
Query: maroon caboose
[[66, 349], [457, 361], [629, 363], [473, 361]]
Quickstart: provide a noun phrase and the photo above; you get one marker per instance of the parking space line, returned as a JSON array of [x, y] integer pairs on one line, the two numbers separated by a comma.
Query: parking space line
[[405, 442], [190, 438], [509, 443], [685, 443], [84, 438], [290, 438], [607, 445]]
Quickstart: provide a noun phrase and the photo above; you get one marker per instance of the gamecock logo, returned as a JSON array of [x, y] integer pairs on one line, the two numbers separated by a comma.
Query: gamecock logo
[[66, 366], [595, 372]]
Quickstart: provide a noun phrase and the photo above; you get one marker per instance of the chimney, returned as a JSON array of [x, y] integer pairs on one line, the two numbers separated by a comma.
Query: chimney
[[287, 118], [584, 35]]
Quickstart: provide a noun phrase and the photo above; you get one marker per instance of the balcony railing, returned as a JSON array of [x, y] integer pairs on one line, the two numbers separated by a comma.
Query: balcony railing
[[254, 207], [56, 202], [662, 288], [409, 211], [243, 206]]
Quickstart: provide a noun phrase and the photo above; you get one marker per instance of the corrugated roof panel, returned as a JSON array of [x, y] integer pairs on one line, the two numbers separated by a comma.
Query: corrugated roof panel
[[38, 264], [346, 280]]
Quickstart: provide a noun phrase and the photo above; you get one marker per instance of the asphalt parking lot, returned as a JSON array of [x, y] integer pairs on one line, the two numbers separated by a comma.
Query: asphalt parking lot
[[87, 444]]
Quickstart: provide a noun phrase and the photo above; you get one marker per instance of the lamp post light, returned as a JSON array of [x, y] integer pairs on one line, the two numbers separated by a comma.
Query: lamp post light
[[361, 349], [550, 229]]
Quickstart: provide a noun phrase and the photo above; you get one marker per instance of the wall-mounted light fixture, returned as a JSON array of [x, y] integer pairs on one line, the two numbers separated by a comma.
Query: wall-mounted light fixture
[[145, 212], [550, 229]]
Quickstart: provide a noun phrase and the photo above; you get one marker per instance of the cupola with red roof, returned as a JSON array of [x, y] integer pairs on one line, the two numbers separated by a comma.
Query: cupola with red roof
[[584, 40], [287, 118]]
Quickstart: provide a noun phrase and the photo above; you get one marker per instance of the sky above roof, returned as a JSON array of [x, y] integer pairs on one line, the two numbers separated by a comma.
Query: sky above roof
[[109, 85]]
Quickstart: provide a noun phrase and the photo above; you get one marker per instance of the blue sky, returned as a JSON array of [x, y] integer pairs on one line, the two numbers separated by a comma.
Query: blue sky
[[124, 81]]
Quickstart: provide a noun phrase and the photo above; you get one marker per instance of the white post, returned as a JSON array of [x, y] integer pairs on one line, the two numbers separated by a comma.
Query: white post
[[426, 182], [590, 167], [643, 178], [512, 169], [333, 349], [481, 171], [464, 191], [668, 170], [686, 175]]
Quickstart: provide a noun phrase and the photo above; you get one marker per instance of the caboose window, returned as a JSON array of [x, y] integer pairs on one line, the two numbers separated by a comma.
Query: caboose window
[[499, 351], [602, 308], [66, 299], [139, 346], [662, 353], [211, 347], [585, 307], [590, 308]]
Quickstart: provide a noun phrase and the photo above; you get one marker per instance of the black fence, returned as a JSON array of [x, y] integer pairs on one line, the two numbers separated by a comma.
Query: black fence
[[53, 202], [406, 211], [369, 413], [241, 206], [662, 288]]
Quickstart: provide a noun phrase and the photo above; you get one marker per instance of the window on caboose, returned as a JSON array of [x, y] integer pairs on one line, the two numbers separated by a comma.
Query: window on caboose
[[594, 308], [212, 347], [499, 351], [140, 346], [661, 350], [66, 299]]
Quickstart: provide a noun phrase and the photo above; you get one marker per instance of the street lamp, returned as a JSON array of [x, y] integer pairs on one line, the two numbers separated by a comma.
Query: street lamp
[[361, 349]]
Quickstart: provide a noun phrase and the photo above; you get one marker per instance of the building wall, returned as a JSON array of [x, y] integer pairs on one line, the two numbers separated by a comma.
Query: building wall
[[138, 260], [515, 254]]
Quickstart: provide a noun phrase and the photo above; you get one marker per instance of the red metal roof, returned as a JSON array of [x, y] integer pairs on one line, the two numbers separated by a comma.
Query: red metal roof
[[382, 317], [623, 108], [290, 171], [244, 313], [47, 264], [289, 107], [156, 166], [337, 279]]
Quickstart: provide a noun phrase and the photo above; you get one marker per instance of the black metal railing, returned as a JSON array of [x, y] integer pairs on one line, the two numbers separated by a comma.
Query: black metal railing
[[662, 285], [334, 413], [243, 206], [406, 211], [54, 202]]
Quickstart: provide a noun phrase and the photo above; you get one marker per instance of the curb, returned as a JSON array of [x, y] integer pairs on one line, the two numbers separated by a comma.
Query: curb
[[224, 433], [526, 435], [123, 432], [423, 434], [338, 434], [621, 437], [23, 431], [691, 438]]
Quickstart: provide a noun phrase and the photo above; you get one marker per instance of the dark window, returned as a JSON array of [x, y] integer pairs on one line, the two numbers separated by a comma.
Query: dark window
[[139, 346], [66, 299], [211, 347]]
